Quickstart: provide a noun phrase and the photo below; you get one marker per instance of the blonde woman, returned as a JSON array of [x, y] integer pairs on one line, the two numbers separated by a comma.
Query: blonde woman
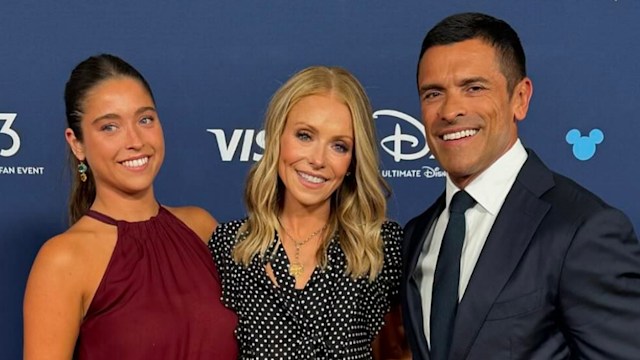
[[314, 268]]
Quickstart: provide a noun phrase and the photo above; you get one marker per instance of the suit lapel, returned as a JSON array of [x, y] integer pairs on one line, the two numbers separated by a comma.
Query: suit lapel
[[415, 238], [419, 231], [510, 235]]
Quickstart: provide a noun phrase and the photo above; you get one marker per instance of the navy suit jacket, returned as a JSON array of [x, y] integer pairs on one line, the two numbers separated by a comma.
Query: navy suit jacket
[[558, 277]]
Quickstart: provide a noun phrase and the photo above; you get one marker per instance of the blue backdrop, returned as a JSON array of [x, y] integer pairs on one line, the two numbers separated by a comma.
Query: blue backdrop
[[214, 65]]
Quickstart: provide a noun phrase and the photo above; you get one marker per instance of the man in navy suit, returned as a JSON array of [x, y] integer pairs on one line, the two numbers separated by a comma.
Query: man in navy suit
[[547, 270]]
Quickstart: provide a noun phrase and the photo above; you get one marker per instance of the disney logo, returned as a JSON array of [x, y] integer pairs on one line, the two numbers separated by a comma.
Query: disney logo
[[395, 141], [433, 172]]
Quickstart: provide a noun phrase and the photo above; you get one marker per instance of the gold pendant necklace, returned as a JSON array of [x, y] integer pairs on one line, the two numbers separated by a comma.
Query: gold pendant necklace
[[295, 267]]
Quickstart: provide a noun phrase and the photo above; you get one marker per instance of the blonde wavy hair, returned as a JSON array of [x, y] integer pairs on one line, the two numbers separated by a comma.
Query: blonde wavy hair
[[358, 206]]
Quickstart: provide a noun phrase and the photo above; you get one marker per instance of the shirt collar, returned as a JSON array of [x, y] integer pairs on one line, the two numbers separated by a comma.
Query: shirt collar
[[491, 187]]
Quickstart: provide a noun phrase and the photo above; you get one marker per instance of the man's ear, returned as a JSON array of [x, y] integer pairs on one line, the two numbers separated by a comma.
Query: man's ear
[[521, 97], [76, 145]]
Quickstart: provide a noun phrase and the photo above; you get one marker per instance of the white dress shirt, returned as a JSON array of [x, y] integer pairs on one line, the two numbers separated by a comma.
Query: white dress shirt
[[489, 190]]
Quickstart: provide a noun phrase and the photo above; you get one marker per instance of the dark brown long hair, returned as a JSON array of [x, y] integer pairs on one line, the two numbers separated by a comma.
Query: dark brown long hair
[[84, 77]]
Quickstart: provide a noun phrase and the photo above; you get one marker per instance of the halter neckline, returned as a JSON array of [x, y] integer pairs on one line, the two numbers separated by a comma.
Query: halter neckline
[[111, 221]]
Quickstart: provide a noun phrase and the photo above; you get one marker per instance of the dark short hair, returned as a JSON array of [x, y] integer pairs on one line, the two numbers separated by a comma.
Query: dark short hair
[[495, 32]]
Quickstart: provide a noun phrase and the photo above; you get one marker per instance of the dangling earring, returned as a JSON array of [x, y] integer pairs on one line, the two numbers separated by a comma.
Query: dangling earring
[[348, 173], [82, 170]]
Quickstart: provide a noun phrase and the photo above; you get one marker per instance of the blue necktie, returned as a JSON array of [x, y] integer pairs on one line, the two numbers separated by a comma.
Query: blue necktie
[[444, 300]]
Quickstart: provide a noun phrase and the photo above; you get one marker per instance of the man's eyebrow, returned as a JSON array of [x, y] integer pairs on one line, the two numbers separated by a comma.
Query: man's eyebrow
[[429, 86], [461, 83], [471, 80]]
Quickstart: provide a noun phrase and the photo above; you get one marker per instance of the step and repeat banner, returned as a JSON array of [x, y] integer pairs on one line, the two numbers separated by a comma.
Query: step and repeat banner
[[213, 66]]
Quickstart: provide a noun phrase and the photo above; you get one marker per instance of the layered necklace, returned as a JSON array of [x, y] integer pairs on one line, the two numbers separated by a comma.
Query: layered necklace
[[295, 267]]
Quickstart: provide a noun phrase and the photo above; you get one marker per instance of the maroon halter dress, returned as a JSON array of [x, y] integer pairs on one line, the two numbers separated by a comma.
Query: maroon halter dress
[[159, 297]]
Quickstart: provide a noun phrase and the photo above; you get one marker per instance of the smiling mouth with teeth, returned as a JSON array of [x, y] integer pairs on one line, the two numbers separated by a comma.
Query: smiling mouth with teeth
[[136, 163], [459, 134], [311, 178]]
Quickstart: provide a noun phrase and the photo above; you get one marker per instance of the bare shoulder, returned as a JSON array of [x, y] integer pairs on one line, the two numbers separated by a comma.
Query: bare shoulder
[[197, 219], [68, 254], [58, 271], [62, 281], [65, 251]]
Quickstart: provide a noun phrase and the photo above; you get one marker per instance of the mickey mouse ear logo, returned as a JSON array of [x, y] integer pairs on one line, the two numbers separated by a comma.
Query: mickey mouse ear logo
[[584, 147]]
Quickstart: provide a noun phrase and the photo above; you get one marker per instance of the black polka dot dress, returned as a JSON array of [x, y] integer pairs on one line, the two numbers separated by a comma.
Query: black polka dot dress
[[333, 317]]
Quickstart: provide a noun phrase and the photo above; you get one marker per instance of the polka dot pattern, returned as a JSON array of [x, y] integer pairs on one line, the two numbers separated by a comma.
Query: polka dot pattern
[[333, 317]]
